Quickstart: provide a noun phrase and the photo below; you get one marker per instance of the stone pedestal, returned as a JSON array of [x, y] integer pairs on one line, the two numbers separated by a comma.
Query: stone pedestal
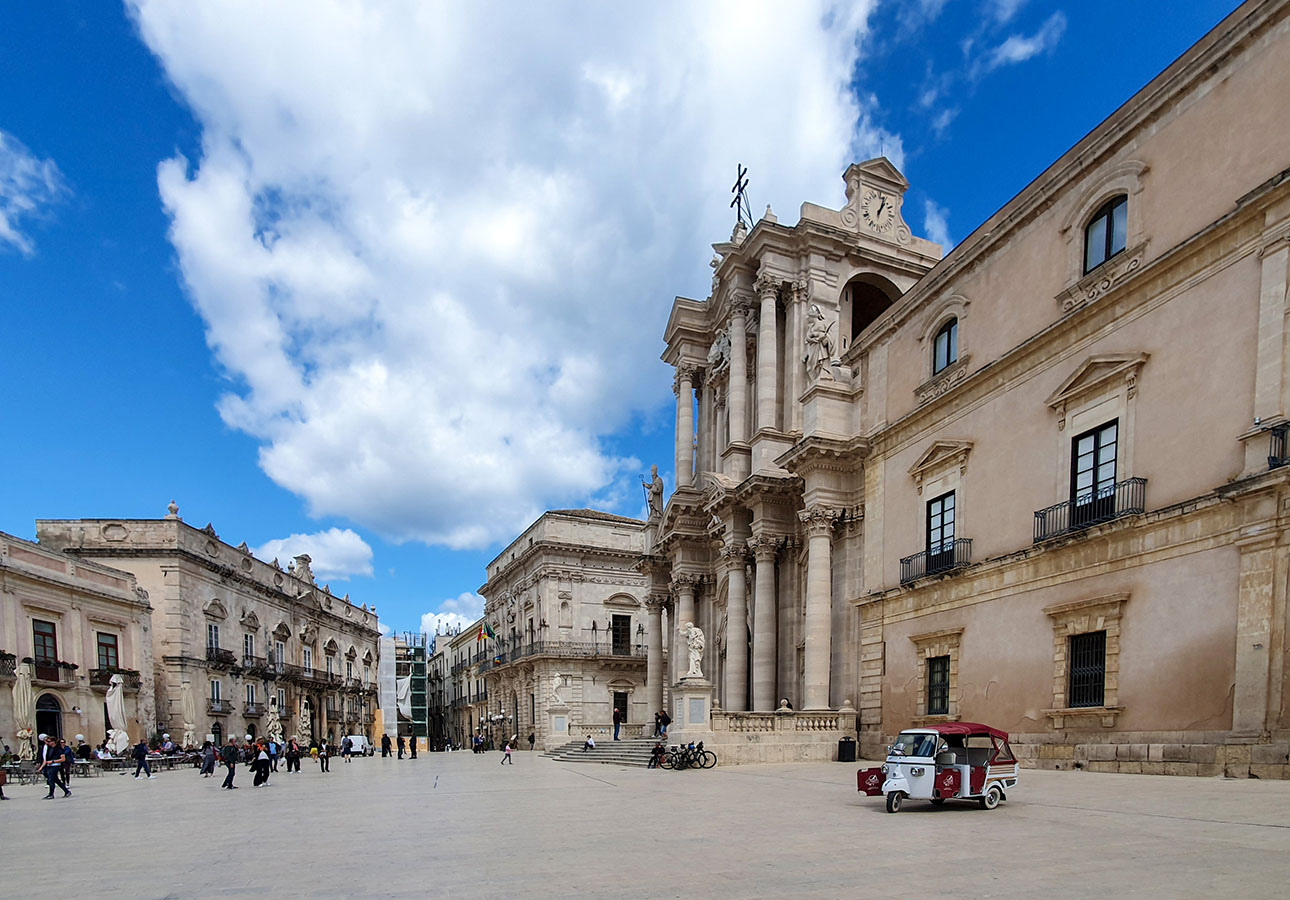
[[827, 408], [691, 711], [557, 731]]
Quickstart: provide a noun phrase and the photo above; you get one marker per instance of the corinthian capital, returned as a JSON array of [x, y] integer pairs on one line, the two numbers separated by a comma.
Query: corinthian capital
[[819, 520], [767, 283], [685, 374], [764, 547]]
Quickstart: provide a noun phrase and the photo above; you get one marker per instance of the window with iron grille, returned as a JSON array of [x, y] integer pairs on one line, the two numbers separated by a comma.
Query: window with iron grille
[[1086, 654], [45, 641], [108, 656], [938, 685]]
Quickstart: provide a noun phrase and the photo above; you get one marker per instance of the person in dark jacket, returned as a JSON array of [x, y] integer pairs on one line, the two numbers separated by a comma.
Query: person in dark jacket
[[208, 759], [385, 745], [293, 756], [402, 746], [229, 757], [141, 759], [69, 757], [50, 761]]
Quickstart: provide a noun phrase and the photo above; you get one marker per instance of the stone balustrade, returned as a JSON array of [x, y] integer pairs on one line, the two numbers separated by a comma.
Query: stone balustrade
[[843, 721]]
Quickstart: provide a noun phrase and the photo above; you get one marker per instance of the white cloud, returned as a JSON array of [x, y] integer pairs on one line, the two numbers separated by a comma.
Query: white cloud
[[453, 614], [936, 225], [1003, 10], [27, 185], [434, 245], [1018, 48], [941, 121], [334, 555]]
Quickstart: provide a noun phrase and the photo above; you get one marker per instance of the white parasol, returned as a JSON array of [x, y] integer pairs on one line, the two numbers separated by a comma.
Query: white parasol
[[304, 732], [273, 725], [24, 712], [118, 737], [190, 716]]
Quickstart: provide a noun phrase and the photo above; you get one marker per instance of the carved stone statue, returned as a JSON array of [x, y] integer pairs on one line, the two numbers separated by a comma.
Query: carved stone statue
[[695, 642], [654, 493], [302, 568], [556, 681], [819, 345], [719, 352]]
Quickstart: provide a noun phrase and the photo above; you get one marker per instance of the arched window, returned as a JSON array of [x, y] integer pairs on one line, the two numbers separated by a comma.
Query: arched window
[[869, 296], [1105, 233], [945, 349]]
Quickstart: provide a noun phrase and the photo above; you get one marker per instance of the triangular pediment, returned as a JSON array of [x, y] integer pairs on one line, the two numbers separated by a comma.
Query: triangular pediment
[[1096, 374], [879, 170], [215, 610], [282, 632], [938, 454], [251, 621]]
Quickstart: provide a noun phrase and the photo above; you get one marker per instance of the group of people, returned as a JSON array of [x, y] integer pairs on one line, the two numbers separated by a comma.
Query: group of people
[[403, 745]]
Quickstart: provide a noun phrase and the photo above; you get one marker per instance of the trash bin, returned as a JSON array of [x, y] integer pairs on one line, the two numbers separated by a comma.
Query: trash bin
[[847, 750]]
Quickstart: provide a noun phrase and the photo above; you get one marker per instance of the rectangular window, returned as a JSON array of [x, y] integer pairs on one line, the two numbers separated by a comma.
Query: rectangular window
[[108, 656], [248, 645], [45, 642], [250, 693], [1087, 659], [349, 671], [1093, 465], [938, 685], [280, 651], [940, 533], [215, 690], [212, 636], [282, 701], [331, 662], [622, 635], [308, 659]]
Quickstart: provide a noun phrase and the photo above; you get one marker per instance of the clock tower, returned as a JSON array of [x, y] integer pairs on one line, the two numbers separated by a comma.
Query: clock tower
[[875, 192]]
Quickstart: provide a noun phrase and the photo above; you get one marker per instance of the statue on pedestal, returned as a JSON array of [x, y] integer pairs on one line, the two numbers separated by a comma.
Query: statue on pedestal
[[819, 345], [695, 642], [556, 681], [654, 494]]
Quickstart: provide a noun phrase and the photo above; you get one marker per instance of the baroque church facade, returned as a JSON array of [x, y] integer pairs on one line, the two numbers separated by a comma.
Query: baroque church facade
[[1040, 481]]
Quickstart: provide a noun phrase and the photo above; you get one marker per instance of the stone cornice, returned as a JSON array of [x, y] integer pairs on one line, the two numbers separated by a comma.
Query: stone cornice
[[762, 486], [816, 452]]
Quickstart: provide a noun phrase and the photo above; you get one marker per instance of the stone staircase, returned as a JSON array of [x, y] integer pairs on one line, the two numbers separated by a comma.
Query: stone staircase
[[618, 753]]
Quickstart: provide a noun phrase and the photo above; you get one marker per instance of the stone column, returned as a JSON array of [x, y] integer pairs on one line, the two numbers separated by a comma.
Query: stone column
[[794, 368], [764, 621], [654, 661], [736, 629], [705, 429], [738, 373], [1254, 605], [767, 351], [684, 389], [819, 605]]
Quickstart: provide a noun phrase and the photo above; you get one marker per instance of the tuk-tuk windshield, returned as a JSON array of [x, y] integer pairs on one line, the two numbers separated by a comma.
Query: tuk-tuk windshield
[[914, 744]]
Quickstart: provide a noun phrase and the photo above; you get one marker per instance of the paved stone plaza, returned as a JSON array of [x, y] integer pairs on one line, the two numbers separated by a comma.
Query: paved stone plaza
[[460, 825]]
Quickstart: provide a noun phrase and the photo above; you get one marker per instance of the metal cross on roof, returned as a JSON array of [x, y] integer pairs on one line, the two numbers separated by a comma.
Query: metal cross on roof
[[740, 203]]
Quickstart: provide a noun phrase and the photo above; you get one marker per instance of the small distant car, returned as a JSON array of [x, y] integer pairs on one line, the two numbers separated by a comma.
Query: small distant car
[[362, 746], [955, 761]]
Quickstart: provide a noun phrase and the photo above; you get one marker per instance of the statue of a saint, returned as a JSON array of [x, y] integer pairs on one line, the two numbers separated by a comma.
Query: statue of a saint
[[654, 493], [819, 345], [556, 681], [694, 641], [719, 352]]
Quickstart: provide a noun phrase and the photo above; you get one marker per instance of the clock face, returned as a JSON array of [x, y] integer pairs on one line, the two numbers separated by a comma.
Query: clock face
[[878, 210]]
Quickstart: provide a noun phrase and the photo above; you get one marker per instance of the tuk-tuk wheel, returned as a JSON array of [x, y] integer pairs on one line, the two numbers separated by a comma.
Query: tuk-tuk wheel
[[938, 801], [992, 797], [894, 800]]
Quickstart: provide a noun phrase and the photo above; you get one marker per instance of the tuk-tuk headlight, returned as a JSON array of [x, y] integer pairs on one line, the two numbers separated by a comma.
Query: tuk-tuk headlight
[[884, 769], [916, 770]]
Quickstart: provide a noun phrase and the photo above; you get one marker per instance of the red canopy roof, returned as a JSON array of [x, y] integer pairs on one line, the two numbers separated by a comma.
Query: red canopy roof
[[968, 728]]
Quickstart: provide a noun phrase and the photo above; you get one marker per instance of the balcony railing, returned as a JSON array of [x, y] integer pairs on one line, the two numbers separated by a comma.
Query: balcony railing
[[8, 665], [567, 649], [252, 709], [103, 677], [221, 657], [254, 664], [951, 555], [54, 670], [218, 707], [1091, 508], [1277, 447]]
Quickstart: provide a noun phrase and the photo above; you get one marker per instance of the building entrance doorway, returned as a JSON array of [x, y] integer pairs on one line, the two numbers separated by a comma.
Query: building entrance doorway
[[49, 716], [620, 704]]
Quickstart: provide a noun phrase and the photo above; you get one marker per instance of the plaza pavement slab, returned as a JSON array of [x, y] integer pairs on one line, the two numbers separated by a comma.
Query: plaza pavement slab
[[462, 825]]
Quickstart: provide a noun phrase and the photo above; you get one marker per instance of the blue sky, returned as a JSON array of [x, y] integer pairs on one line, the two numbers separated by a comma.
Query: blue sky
[[385, 286]]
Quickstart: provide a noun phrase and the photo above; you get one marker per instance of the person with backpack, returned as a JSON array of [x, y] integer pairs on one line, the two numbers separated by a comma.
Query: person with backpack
[[293, 756], [229, 757], [141, 759], [347, 749]]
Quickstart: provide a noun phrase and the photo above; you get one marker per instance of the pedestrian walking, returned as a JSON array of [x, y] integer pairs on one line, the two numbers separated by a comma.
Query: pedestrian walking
[[347, 749], [618, 721], [293, 756], [141, 759], [275, 750], [664, 720], [229, 757], [401, 746], [412, 746], [532, 738], [324, 756], [658, 723], [385, 745], [208, 759], [68, 758], [506, 757], [261, 765], [50, 762]]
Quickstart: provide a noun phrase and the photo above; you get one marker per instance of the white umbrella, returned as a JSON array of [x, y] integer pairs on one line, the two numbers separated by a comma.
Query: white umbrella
[[273, 725], [24, 711], [118, 737], [304, 732], [190, 716]]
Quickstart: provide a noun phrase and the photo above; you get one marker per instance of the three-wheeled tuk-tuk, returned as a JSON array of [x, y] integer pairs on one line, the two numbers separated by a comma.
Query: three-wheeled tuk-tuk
[[954, 761]]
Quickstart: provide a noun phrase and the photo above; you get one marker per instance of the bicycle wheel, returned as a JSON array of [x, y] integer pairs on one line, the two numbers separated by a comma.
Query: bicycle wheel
[[709, 759], [666, 762]]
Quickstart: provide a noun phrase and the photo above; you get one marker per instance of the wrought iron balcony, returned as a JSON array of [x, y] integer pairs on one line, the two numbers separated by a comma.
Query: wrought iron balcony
[[8, 665], [53, 670], [252, 710], [103, 677], [951, 555], [254, 664], [221, 657], [218, 707], [1091, 508], [565, 649], [1277, 447]]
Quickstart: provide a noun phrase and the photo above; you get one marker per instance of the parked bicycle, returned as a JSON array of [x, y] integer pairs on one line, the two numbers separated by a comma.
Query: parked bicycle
[[689, 756]]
